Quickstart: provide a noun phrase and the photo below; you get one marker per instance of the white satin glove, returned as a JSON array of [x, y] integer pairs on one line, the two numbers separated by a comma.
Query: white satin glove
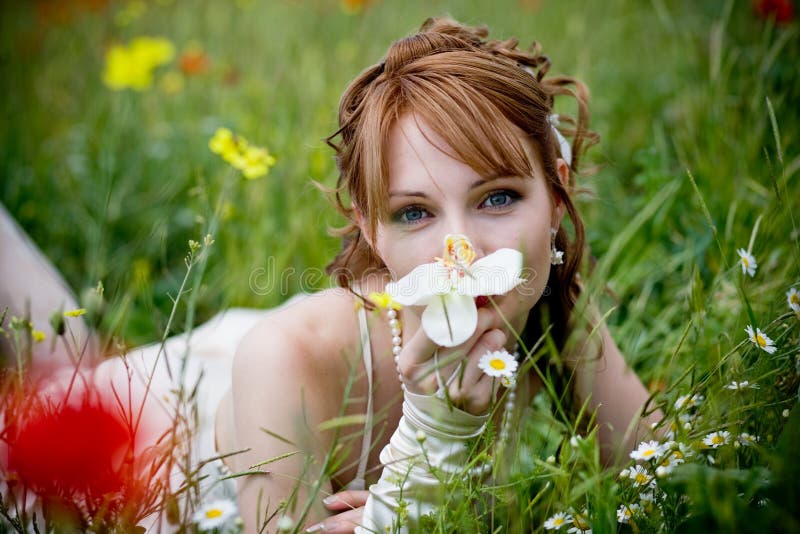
[[408, 460]]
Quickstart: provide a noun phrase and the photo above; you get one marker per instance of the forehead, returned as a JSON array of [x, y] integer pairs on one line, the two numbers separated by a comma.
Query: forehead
[[417, 156]]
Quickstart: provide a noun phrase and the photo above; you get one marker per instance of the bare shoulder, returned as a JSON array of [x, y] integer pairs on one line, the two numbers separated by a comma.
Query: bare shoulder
[[312, 332]]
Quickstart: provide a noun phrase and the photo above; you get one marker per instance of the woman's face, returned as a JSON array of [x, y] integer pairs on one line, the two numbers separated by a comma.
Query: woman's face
[[432, 195]]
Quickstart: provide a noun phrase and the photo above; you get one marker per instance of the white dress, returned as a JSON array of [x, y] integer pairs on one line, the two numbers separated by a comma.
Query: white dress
[[208, 356]]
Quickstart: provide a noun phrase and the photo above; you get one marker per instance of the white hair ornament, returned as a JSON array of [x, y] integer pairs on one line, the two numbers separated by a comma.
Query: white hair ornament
[[563, 144]]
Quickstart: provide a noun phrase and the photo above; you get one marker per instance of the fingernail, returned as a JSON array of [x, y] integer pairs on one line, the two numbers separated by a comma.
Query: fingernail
[[319, 527], [330, 499]]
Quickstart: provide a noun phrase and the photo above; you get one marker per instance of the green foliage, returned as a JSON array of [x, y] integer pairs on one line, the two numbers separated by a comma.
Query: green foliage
[[697, 108]]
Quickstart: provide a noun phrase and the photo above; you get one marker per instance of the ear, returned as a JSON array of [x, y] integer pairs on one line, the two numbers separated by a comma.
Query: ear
[[562, 169], [362, 224]]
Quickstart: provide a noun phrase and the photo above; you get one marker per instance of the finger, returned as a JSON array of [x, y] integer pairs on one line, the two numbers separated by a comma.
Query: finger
[[346, 500], [416, 361], [450, 358], [472, 392], [343, 523], [492, 340], [419, 349]]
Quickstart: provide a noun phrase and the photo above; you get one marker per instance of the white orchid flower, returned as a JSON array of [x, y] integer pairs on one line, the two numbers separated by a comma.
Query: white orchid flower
[[448, 287]]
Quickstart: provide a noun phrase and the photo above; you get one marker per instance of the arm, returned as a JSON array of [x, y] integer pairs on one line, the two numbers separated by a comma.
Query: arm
[[611, 387], [278, 386]]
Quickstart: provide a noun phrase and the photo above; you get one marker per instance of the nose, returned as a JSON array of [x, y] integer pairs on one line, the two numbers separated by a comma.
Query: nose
[[461, 223]]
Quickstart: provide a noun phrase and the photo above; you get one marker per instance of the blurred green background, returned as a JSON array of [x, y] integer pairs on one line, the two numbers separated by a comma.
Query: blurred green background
[[112, 184]]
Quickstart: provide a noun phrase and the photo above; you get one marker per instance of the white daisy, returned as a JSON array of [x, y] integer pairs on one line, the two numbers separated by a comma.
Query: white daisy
[[744, 384], [687, 419], [498, 363], [670, 461], [717, 439], [215, 515], [689, 401], [747, 440], [640, 476], [580, 525], [793, 298], [760, 339], [626, 511], [648, 450], [557, 521], [748, 262], [579, 530]]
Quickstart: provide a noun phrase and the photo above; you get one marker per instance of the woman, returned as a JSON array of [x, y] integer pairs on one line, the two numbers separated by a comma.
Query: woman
[[452, 135]]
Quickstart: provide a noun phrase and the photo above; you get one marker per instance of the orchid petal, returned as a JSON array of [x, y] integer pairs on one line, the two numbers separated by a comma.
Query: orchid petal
[[495, 274], [423, 282], [450, 319]]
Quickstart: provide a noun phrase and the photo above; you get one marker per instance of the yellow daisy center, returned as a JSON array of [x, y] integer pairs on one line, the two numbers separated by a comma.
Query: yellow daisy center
[[795, 298], [649, 452], [498, 364], [213, 513], [745, 261], [717, 440], [641, 478], [558, 521], [761, 341]]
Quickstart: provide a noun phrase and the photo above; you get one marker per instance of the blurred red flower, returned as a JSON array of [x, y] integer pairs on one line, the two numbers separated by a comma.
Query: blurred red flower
[[70, 450], [781, 10], [193, 61], [76, 449]]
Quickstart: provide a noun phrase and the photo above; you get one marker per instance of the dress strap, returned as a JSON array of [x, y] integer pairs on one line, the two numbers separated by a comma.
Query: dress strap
[[366, 441]]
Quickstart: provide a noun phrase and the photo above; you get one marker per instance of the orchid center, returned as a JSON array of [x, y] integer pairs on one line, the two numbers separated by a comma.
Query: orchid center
[[458, 250]]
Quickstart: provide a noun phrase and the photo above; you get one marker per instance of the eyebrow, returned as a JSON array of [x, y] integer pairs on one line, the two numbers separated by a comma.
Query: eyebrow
[[421, 194]]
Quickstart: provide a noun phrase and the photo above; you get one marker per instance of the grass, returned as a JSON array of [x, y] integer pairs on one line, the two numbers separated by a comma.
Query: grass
[[696, 106]]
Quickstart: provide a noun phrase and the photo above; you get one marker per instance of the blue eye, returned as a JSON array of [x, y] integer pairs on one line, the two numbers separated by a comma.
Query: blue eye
[[500, 199], [410, 215]]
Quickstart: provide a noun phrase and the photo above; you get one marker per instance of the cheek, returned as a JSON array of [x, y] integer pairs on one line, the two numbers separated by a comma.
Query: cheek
[[536, 266], [401, 253]]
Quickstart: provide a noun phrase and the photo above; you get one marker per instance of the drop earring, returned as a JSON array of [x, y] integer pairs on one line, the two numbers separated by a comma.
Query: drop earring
[[556, 256]]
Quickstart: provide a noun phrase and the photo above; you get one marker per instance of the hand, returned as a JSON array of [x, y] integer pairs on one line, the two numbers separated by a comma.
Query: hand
[[467, 386], [350, 505]]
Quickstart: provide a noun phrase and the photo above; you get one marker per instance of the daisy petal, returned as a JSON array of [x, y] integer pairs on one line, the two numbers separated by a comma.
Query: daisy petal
[[450, 319]]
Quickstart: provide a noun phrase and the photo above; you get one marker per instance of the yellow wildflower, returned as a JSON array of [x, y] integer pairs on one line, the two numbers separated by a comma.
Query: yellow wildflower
[[132, 66], [38, 336], [252, 160], [256, 162], [384, 301], [75, 313], [223, 143]]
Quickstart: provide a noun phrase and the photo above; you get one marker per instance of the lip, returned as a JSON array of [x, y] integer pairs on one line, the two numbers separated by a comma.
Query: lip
[[481, 301]]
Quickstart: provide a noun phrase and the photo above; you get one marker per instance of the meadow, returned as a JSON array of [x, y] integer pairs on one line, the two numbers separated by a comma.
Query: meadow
[[697, 107]]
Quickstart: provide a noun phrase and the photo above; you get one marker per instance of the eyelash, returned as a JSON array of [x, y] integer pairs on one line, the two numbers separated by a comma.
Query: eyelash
[[513, 196]]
